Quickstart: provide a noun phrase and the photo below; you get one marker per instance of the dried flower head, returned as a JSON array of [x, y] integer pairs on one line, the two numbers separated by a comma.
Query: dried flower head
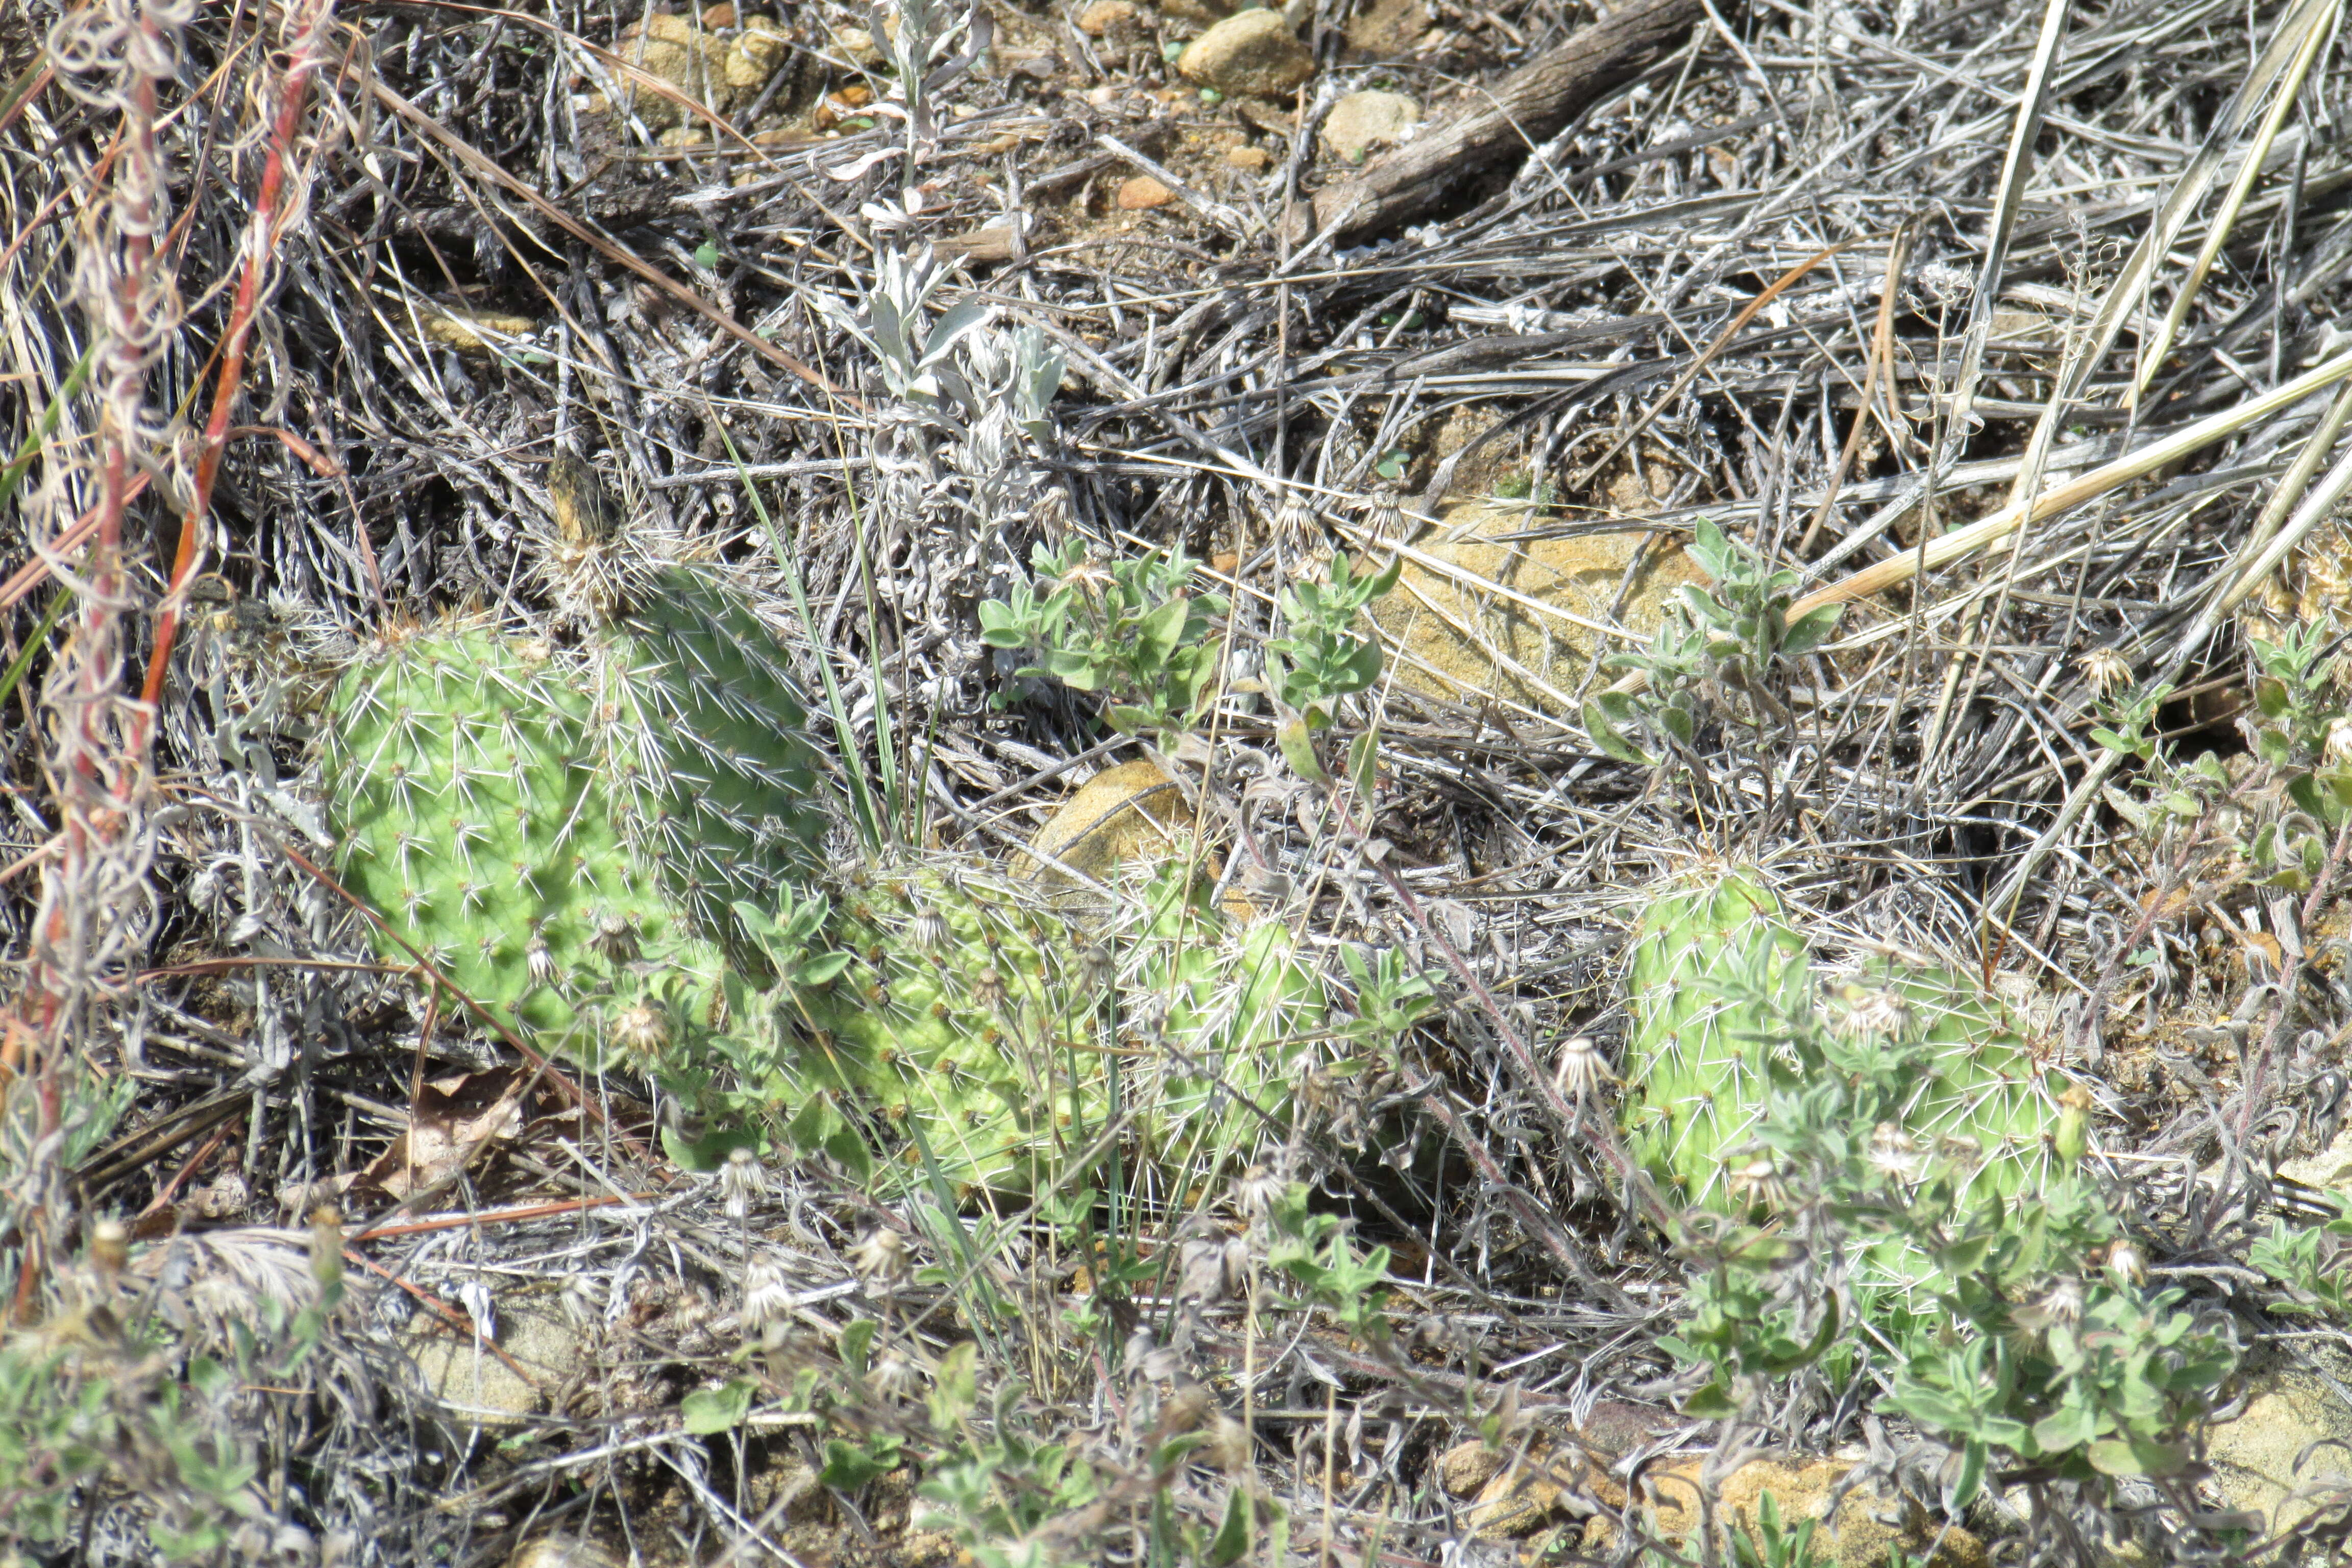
[[1582, 1069], [880, 1258], [1755, 1180], [537, 961], [615, 939], [1895, 1153], [2061, 1306], [1385, 514], [767, 1293], [1295, 526], [2127, 1262], [740, 1180], [1257, 1190], [927, 930], [640, 1031], [893, 1376], [2107, 671], [110, 1248], [2337, 747], [988, 990], [1873, 1013]]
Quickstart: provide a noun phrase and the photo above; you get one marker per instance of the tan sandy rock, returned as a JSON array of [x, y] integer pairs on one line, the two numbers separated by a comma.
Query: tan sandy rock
[[1132, 814], [1142, 194], [723, 72], [1104, 15], [1250, 160], [2285, 1450], [1251, 52], [1466, 1467], [1522, 621], [1196, 13], [474, 1383], [1362, 122], [1868, 1528]]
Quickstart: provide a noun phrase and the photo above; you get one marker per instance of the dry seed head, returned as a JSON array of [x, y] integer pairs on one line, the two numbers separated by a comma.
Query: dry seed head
[[539, 961], [1582, 1069], [2125, 1261], [880, 1258], [615, 938], [1895, 1153], [1755, 1180], [1872, 1013], [1257, 1190], [988, 989], [740, 1180], [2060, 1307], [893, 1376], [767, 1293], [110, 1248], [927, 930], [640, 1031], [2106, 670]]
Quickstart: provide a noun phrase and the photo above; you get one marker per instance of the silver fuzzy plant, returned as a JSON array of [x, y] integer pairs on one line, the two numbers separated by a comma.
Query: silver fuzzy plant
[[970, 408]]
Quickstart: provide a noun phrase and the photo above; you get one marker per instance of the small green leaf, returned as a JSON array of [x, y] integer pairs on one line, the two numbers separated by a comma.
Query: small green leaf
[[706, 254], [719, 1410]]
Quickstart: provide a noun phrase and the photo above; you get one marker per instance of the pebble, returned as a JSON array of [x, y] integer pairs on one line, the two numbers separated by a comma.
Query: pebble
[[1104, 15], [1363, 120], [1250, 160], [1253, 52], [1143, 192]]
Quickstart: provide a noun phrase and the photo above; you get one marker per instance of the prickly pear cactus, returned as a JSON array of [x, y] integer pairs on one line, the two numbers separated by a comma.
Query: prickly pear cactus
[[703, 728], [1720, 974], [999, 1052], [461, 767]]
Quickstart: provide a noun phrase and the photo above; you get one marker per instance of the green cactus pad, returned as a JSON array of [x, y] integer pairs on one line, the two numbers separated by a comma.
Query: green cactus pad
[[1002, 1051], [1718, 971], [702, 725], [473, 824]]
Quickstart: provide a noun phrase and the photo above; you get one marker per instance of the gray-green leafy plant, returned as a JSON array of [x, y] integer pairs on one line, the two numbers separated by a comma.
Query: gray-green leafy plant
[[1716, 651], [1326, 653], [2028, 1342], [1135, 631]]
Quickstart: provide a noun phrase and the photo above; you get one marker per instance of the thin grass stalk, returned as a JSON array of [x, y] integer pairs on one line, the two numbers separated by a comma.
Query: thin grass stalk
[[2217, 233]]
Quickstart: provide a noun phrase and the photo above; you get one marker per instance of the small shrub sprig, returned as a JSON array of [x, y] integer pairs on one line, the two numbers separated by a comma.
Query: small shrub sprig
[[1715, 654], [2031, 1346], [1133, 631]]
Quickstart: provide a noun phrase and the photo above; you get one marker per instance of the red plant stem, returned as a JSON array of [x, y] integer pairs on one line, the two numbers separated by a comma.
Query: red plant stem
[[259, 242]]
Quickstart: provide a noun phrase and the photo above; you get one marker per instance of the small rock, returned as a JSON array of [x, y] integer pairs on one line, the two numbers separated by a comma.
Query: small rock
[[1466, 1467], [1254, 52], [2285, 1448], [1103, 15], [1868, 1527], [1363, 120], [1198, 12], [1129, 813], [1142, 194], [1250, 160], [719, 15], [1532, 646]]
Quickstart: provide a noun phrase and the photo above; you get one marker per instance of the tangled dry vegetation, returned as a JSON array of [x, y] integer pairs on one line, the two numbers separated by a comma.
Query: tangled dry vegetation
[[1399, 782]]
